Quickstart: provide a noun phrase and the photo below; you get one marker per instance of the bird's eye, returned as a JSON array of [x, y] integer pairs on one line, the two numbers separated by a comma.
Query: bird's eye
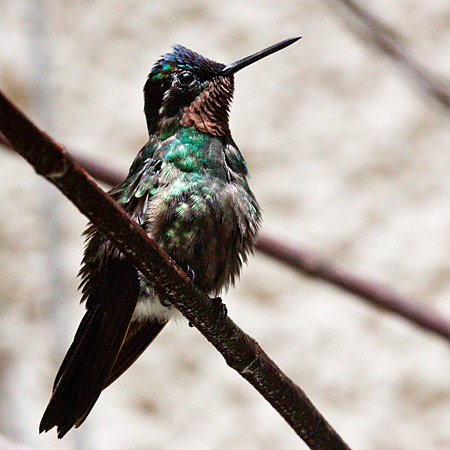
[[186, 78]]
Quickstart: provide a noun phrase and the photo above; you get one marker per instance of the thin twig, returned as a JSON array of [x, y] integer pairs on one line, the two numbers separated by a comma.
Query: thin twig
[[240, 351], [375, 294], [376, 33]]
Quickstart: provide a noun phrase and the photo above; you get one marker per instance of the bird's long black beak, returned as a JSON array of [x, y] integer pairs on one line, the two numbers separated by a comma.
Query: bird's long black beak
[[238, 65]]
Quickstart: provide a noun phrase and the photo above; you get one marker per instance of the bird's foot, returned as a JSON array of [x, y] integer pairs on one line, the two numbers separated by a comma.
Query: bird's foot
[[223, 311]]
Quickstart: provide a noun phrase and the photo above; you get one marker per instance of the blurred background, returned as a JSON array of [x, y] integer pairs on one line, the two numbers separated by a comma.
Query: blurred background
[[349, 158]]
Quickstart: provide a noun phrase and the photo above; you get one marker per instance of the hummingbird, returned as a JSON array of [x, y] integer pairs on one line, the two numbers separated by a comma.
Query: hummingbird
[[188, 189]]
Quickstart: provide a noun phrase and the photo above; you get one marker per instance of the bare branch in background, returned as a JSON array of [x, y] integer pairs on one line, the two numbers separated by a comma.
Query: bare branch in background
[[375, 294], [240, 351], [7, 444], [374, 32]]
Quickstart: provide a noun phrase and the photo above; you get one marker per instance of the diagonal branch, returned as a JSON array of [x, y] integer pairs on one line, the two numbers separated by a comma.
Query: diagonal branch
[[240, 351], [310, 264], [382, 37]]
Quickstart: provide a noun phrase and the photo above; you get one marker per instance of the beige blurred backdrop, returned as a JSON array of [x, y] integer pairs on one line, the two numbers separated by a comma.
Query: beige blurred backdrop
[[347, 157]]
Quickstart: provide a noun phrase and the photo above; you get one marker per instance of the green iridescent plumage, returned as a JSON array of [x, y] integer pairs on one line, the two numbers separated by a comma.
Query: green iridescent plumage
[[199, 206], [188, 189]]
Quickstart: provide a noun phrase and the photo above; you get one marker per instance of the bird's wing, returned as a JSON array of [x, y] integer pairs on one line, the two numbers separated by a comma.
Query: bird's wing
[[140, 335]]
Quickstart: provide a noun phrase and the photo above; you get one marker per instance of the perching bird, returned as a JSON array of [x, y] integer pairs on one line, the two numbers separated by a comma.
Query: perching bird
[[188, 189]]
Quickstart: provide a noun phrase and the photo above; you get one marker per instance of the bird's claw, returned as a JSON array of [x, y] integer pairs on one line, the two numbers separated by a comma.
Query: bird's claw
[[190, 273]]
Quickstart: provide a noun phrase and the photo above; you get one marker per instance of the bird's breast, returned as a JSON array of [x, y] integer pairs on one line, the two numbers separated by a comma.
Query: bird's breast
[[205, 224]]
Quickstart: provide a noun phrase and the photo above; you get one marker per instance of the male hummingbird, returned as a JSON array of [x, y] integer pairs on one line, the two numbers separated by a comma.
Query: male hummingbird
[[188, 189]]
